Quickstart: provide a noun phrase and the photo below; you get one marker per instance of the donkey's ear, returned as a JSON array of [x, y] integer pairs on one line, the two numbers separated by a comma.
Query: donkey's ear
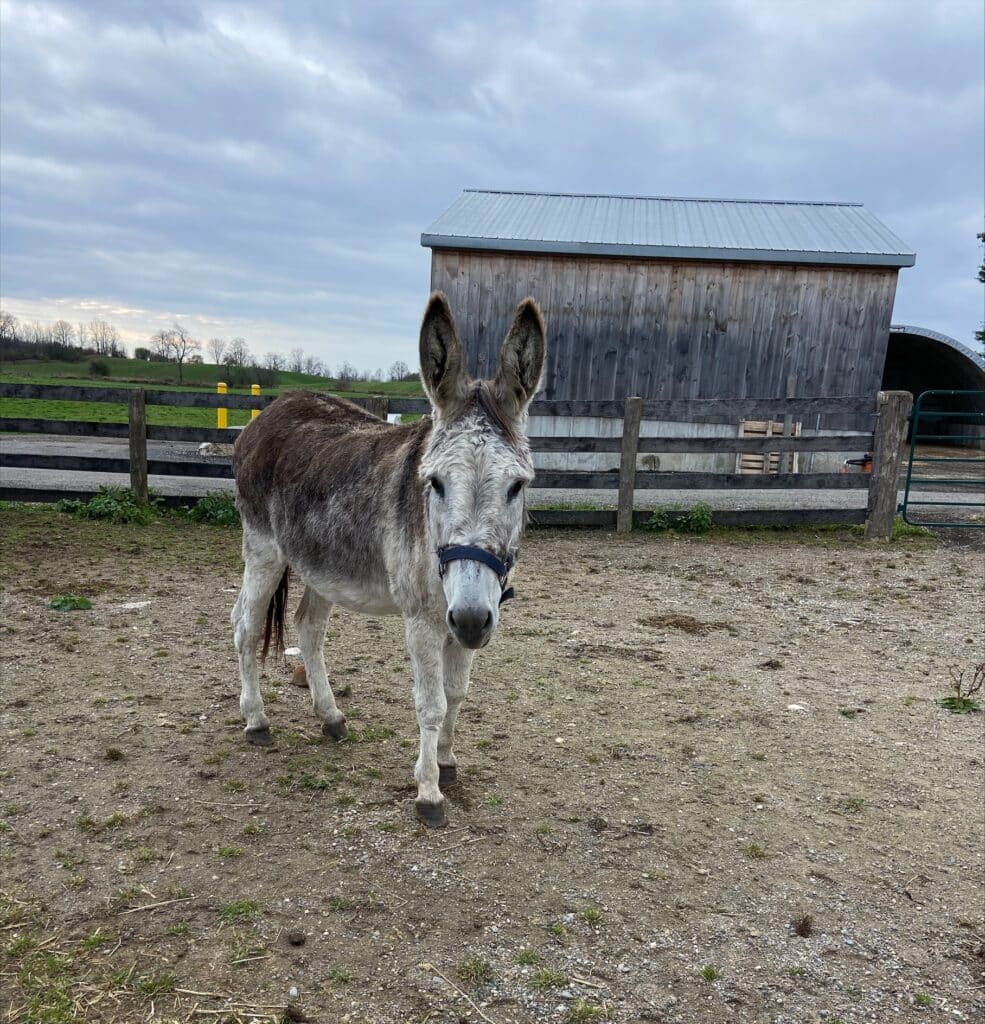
[[521, 360], [442, 370]]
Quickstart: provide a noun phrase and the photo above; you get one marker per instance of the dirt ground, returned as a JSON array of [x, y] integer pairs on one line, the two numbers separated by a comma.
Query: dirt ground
[[703, 780]]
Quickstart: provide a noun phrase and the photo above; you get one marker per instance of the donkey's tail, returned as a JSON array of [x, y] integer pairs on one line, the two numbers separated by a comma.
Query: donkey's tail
[[273, 629]]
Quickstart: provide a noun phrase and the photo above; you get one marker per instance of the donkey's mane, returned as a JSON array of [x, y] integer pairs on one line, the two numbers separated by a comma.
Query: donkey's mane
[[482, 396]]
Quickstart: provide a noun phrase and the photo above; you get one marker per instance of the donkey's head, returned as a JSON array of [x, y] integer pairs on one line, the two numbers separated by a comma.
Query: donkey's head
[[477, 463]]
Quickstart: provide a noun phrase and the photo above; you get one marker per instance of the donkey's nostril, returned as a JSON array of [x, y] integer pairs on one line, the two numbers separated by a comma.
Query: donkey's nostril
[[471, 626]]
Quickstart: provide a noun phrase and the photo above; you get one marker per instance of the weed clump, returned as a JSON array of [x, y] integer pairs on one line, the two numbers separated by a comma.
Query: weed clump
[[697, 520], [963, 700], [217, 509], [69, 603], [115, 504]]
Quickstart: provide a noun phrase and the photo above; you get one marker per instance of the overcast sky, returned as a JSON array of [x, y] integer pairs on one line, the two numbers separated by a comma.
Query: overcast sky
[[266, 169]]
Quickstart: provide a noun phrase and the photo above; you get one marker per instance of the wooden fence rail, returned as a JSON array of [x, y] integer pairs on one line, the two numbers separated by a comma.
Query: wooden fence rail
[[887, 413]]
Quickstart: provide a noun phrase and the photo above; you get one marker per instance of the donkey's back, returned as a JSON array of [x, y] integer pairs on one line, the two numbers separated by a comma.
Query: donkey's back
[[302, 441]]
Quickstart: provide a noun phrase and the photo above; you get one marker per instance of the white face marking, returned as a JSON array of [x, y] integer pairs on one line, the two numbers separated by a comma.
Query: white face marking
[[475, 482]]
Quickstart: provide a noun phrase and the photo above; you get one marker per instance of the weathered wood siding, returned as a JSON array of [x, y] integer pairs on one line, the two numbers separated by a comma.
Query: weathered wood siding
[[678, 329]]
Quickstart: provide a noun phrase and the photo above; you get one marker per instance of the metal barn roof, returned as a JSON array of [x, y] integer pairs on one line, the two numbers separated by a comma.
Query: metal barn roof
[[770, 231]]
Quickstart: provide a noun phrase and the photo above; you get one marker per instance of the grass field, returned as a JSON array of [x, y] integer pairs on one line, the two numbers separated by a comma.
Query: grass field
[[130, 373]]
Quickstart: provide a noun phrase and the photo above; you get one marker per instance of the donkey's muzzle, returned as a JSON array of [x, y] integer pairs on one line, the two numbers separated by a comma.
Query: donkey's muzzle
[[471, 627]]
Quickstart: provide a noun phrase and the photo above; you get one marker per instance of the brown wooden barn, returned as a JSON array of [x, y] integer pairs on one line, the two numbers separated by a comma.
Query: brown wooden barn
[[675, 298]]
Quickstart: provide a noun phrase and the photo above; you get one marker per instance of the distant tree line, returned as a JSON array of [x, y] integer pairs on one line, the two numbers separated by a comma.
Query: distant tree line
[[175, 344], [60, 340]]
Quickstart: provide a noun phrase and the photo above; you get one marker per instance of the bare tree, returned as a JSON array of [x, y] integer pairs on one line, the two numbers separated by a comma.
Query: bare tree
[[182, 346], [346, 374], [314, 366], [217, 349], [160, 342], [273, 361], [82, 333], [398, 370], [104, 337], [238, 353], [8, 326], [175, 345], [295, 360], [63, 332]]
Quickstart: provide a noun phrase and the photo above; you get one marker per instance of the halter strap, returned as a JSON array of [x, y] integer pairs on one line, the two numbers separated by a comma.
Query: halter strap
[[463, 552]]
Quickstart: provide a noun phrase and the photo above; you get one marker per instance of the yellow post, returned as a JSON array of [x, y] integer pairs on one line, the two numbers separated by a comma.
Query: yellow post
[[222, 415], [255, 391]]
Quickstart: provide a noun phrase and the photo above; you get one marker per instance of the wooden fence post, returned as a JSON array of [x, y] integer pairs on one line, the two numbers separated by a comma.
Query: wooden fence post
[[378, 405], [893, 408], [632, 414], [787, 458], [137, 416]]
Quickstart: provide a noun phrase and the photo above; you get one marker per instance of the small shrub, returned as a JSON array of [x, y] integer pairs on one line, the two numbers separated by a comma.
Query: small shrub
[[963, 700], [217, 509], [591, 916], [69, 603], [475, 971], [582, 1011], [526, 958], [99, 368], [697, 519], [710, 973], [547, 978], [803, 925], [660, 519], [116, 504]]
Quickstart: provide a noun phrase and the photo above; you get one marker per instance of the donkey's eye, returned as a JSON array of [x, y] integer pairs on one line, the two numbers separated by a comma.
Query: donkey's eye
[[514, 490], [438, 486]]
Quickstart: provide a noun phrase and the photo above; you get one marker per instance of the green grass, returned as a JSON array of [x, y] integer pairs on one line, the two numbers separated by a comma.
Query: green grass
[[547, 978], [475, 971], [69, 603], [240, 910], [131, 373]]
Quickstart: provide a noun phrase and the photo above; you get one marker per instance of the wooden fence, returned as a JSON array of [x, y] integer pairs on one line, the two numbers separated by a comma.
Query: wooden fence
[[888, 414]]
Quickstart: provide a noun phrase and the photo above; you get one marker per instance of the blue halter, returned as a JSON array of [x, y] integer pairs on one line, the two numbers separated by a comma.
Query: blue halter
[[462, 552]]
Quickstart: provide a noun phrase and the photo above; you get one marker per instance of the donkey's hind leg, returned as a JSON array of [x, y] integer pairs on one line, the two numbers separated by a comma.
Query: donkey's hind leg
[[311, 620], [265, 567]]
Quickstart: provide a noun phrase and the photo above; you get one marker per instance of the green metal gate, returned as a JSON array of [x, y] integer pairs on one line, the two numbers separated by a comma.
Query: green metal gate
[[945, 419]]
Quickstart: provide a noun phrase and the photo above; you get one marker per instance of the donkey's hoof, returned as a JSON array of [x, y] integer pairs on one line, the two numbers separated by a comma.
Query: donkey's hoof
[[431, 815], [447, 775], [259, 737], [335, 730]]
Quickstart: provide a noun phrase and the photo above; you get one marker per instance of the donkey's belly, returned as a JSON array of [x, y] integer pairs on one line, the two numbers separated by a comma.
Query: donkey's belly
[[355, 596]]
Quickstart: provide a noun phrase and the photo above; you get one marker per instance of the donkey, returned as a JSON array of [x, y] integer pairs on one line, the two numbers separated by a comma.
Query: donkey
[[422, 520]]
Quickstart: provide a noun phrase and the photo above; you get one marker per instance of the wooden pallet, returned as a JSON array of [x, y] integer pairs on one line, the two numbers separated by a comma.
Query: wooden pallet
[[766, 462]]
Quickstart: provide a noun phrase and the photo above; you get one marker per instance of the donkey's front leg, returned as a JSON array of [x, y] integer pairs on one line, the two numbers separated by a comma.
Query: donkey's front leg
[[425, 642], [457, 663]]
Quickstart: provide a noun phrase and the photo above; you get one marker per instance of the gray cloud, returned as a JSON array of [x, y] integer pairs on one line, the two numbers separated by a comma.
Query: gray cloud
[[271, 166]]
